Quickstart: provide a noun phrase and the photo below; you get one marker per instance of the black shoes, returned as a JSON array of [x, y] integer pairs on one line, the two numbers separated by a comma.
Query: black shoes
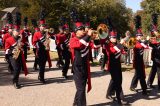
[[64, 75], [35, 68], [16, 85], [58, 65], [110, 97], [74, 104], [150, 86], [145, 93], [122, 102], [41, 80], [133, 89]]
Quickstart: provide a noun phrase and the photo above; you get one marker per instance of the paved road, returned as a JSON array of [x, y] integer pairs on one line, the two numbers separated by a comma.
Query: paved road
[[60, 92]]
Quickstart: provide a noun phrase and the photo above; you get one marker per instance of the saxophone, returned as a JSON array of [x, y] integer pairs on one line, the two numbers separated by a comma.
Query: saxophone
[[47, 40], [17, 49]]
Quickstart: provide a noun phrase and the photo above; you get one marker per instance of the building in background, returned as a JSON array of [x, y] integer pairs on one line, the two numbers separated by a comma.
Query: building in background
[[3, 14]]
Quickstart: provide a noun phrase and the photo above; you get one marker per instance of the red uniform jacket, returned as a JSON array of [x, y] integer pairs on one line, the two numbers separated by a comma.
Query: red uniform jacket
[[11, 43], [114, 54], [73, 34], [60, 38], [37, 37], [7, 35], [138, 55], [102, 42], [24, 36], [83, 48]]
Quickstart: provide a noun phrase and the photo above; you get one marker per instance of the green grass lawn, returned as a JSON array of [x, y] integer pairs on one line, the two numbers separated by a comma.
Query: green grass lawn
[[54, 56]]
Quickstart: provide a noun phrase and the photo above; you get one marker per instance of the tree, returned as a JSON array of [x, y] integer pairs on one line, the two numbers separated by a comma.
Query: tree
[[96, 9], [149, 7]]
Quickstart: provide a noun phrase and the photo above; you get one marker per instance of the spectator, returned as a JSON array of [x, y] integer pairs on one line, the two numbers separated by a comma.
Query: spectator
[[127, 55], [1, 44]]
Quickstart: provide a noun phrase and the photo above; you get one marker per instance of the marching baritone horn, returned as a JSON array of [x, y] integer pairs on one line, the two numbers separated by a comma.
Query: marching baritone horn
[[47, 38], [129, 41], [102, 31], [156, 37]]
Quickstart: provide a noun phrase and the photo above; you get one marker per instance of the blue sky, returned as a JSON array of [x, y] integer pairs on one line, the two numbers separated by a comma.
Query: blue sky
[[133, 4]]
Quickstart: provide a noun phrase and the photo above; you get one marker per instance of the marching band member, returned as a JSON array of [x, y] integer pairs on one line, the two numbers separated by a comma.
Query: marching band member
[[114, 51], [10, 26], [87, 28], [59, 51], [24, 35], [79, 46], [104, 30], [138, 62], [39, 39], [15, 54], [36, 29], [65, 49], [155, 55], [103, 34], [7, 35]]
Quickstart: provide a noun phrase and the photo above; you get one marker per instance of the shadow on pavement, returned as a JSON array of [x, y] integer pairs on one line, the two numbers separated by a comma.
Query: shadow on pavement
[[48, 81], [99, 74], [131, 98], [5, 76], [153, 95], [112, 103]]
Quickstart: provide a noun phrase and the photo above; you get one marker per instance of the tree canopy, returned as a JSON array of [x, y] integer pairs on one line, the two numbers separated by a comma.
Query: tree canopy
[[98, 10], [149, 7]]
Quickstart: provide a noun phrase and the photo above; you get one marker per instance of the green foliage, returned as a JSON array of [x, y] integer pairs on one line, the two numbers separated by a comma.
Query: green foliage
[[149, 7], [96, 9]]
